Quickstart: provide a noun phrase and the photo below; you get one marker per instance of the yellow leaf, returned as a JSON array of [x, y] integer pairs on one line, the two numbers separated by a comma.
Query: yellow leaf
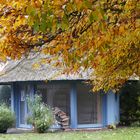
[[121, 29]]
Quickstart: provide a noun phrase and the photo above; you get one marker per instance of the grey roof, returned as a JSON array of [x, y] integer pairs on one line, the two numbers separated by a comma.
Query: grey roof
[[23, 71]]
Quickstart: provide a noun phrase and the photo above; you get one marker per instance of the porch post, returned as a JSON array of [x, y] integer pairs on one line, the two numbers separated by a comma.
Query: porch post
[[73, 105], [16, 102], [112, 112], [104, 109], [12, 97]]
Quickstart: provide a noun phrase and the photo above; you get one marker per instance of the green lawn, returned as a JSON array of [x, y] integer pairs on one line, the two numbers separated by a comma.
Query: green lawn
[[119, 134]]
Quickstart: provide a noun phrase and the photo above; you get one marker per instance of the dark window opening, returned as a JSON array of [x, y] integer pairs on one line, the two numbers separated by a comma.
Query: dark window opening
[[56, 95], [5, 94], [89, 105]]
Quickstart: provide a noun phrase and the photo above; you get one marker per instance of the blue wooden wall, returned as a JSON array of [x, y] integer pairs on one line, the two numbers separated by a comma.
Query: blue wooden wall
[[15, 93], [110, 106], [73, 106]]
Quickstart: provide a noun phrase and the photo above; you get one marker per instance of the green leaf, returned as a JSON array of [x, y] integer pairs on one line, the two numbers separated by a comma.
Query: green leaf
[[65, 23], [43, 26], [31, 11], [93, 17], [88, 4], [44, 16], [36, 26], [49, 24]]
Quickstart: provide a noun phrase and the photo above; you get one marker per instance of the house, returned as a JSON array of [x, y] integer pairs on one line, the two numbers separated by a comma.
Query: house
[[68, 92]]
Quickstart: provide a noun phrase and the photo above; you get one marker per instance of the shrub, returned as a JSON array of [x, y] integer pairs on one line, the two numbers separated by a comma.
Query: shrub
[[130, 104], [7, 118], [41, 115], [135, 124], [112, 126]]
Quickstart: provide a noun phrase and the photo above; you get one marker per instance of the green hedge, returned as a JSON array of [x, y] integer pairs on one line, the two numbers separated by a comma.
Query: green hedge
[[7, 118], [130, 104]]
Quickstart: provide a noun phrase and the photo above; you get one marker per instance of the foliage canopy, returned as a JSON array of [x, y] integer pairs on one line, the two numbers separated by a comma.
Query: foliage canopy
[[103, 35]]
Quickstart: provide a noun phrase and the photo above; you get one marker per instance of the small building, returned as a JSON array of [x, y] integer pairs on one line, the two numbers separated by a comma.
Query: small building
[[68, 92]]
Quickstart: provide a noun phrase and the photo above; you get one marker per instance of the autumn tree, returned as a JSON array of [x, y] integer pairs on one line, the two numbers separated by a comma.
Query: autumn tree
[[101, 35]]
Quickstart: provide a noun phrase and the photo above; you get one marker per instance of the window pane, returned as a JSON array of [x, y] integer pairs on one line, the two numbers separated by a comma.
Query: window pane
[[56, 95], [89, 105], [5, 94], [22, 112]]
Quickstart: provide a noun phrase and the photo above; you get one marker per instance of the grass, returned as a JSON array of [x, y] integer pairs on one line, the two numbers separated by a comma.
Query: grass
[[118, 134]]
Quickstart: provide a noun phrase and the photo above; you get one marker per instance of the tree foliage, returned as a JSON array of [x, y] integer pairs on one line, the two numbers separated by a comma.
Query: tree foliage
[[103, 35]]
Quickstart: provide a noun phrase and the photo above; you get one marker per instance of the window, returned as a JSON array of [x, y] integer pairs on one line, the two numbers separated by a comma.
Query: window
[[5, 94], [89, 105], [56, 95]]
